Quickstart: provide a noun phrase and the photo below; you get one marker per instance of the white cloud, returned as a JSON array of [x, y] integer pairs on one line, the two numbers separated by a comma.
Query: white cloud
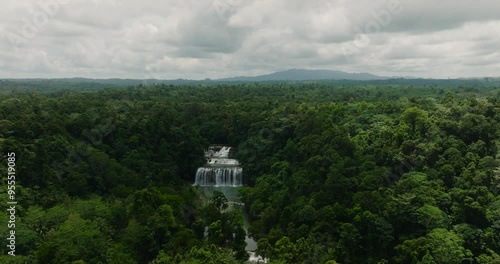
[[191, 39]]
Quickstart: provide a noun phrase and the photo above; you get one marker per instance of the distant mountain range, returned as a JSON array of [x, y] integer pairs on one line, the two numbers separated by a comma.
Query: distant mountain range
[[306, 75], [292, 75]]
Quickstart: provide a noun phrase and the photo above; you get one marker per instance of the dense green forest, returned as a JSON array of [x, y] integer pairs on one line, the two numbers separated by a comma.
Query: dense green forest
[[334, 172]]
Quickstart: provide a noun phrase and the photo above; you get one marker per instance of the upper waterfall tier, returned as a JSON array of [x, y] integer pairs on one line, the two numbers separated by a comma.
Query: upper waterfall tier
[[223, 152]]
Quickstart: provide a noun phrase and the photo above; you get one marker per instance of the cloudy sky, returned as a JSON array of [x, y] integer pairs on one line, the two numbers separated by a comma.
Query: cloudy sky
[[199, 39]]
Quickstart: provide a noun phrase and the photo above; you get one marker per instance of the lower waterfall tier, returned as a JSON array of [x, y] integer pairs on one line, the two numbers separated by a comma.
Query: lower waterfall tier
[[221, 176]]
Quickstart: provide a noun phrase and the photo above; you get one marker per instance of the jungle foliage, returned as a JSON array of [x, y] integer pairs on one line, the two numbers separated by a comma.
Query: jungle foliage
[[334, 173]]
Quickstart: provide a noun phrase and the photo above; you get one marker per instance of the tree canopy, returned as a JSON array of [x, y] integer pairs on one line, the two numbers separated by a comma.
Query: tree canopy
[[335, 172]]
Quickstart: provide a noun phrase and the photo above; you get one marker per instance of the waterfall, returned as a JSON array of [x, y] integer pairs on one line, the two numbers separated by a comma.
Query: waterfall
[[213, 176], [222, 173], [220, 170]]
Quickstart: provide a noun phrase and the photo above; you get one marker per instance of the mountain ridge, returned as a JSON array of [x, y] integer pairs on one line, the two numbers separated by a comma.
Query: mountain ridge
[[307, 75]]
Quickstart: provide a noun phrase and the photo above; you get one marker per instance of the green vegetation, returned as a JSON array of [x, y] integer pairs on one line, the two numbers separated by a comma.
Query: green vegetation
[[335, 172]]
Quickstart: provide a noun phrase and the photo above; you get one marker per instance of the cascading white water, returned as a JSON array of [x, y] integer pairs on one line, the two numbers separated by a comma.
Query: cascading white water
[[220, 170], [213, 176]]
